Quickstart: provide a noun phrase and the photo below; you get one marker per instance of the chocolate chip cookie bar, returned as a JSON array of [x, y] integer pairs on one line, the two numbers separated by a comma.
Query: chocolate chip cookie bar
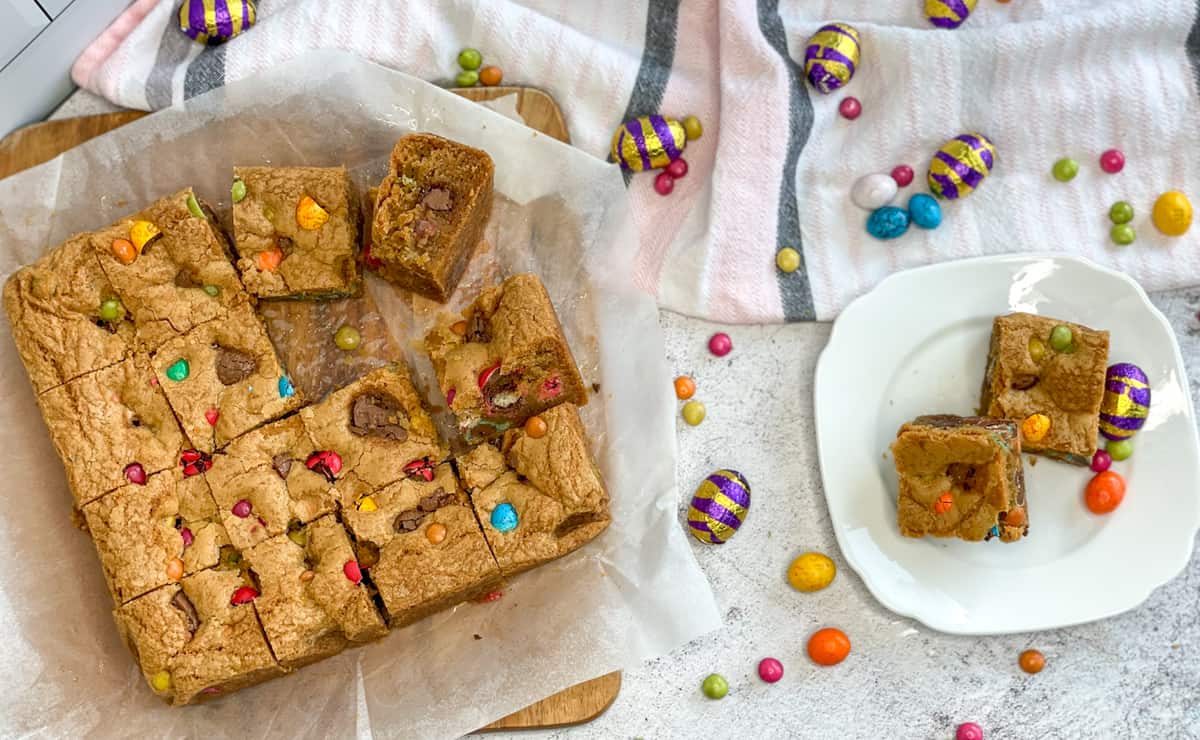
[[419, 539], [505, 360], [960, 477], [170, 267], [371, 433], [313, 600], [430, 213], [296, 231], [111, 427], [66, 317], [262, 486], [1047, 375], [200, 638], [538, 498], [152, 534], [223, 378]]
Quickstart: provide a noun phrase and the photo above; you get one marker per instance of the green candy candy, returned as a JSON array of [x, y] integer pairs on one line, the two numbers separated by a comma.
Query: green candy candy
[[469, 78], [238, 191], [347, 338], [1060, 337], [715, 686], [1123, 234], [178, 370], [470, 59], [212, 290], [1065, 169], [1121, 212], [195, 209], [1119, 449], [111, 310]]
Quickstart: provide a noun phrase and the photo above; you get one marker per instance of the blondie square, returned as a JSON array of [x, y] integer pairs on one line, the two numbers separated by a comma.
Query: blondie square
[[66, 318], [422, 545], [153, 534], [537, 498], [960, 477], [193, 642], [296, 231], [106, 422], [223, 379], [506, 360], [312, 605], [1026, 375], [263, 487], [430, 213], [371, 432], [181, 277]]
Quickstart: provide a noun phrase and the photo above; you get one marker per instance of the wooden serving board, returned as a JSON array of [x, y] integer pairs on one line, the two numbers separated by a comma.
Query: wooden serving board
[[42, 142]]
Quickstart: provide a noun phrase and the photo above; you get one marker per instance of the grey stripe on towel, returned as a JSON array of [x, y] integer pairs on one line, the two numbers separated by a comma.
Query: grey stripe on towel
[[794, 288], [662, 21], [206, 72], [173, 48]]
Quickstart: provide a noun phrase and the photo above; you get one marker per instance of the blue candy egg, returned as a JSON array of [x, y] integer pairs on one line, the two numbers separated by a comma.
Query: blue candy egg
[[925, 211], [504, 517], [888, 222]]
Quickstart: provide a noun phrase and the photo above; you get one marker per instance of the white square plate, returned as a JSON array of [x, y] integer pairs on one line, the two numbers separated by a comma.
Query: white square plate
[[918, 344]]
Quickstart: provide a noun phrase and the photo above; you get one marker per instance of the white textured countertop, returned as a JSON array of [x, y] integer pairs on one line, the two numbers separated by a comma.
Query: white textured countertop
[[1133, 676]]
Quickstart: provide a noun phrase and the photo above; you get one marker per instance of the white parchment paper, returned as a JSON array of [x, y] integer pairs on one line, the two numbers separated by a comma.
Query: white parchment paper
[[634, 593]]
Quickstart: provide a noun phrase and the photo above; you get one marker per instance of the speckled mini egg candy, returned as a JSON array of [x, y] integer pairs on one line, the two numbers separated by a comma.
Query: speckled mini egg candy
[[960, 165], [648, 143], [831, 56], [1126, 402], [948, 13], [215, 21], [719, 507]]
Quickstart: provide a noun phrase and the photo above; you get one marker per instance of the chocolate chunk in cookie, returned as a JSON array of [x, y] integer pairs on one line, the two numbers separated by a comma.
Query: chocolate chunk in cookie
[[234, 366], [378, 415]]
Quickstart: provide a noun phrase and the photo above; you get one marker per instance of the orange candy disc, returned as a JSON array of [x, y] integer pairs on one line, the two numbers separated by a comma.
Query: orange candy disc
[[124, 251], [944, 503], [828, 646], [535, 427], [309, 215], [269, 260], [435, 533]]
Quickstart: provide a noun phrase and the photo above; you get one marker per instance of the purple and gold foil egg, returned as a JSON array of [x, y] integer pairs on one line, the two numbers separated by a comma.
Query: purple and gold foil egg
[[831, 56], [1126, 402], [960, 165], [948, 13], [719, 507], [648, 143], [214, 22]]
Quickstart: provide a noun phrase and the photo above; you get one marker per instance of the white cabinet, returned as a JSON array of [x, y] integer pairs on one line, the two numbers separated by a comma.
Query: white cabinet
[[20, 22]]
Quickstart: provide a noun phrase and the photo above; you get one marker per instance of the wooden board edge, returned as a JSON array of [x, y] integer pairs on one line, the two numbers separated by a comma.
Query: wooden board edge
[[602, 692]]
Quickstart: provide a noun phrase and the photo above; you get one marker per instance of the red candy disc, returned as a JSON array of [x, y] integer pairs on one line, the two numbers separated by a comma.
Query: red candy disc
[[903, 175], [326, 462], [352, 571], [422, 469], [487, 374], [243, 595]]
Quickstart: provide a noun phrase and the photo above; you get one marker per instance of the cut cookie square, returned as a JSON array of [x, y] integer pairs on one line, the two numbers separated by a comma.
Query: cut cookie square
[[537, 498], [371, 432], [505, 360], [1027, 375], [153, 534], [960, 477], [106, 421], [180, 278], [296, 231], [312, 604], [430, 213], [422, 545], [193, 643], [66, 317], [223, 379]]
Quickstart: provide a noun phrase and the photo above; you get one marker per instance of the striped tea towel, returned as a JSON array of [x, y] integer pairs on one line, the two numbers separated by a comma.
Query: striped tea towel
[[1042, 79]]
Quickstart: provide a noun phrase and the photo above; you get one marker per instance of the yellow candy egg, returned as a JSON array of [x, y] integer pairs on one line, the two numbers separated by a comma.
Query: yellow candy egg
[[810, 572], [1173, 213], [1035, 427], [310, 215], [142, 233]]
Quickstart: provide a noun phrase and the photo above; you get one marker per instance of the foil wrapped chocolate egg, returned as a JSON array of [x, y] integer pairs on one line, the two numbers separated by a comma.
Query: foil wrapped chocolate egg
[[719, 507], [648, 142], [1126, 402], [960, 165], [831, 56], [948, 13], [214, 22]]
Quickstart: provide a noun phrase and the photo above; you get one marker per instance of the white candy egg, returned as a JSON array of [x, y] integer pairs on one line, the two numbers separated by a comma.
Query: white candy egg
[[871, 192]]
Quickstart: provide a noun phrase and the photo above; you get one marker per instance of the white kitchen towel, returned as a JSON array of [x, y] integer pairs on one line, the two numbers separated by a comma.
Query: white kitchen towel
[[1042, 78]]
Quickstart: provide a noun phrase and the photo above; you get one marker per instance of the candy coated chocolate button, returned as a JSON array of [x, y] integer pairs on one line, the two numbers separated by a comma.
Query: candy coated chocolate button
[[770, 670], [504, 518], [692, 128], [787, 260], [135, 473], [161, 681], [436, 533], [175, 569], [693, 413], [178, 370], [286, 389], [969, 731], [242, 509], [243, 595], [715, 686], [685, 387], [720, 344], [810, 572], [352, 572], [850, 108], [1112, 161]]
